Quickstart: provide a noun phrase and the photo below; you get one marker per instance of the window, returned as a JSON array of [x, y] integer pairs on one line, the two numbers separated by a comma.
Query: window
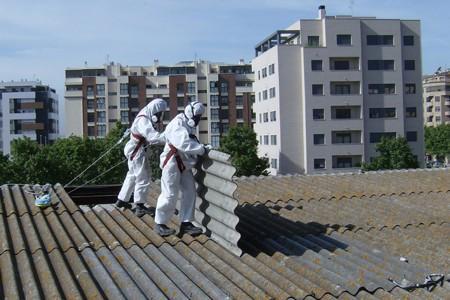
[[90, 90], [100, 103], [180, 101], [239, 114], [411, 112], [100, 90], [260, 118], [124, 117], [266, 117], [264, 72], [411, 136], [101, 130], [224, 100], [225, 128], [260, 139], [134, 90], [380, 40], [239, 100], [341, 65], [382, 88], [343, 162], [91, 131], [384, 112], [214, 100], [343, 113], [266, 140], [271, 69], [410, 65], [319, 163], [223, 114], [224, 87], [437, 99], [313, 41], [215, 141], [375, 137], [272, 92], [342, 89], [124, 88], [410, 88], [213, 87], [387, 65], [265, 95], [437, 109], [124, 102], [259, 75], [344, 39], [90, 104], [342, 138], [214, 113], [438, 119], [180, 88], [273, 116], [101, 117], [259, 96], [317, 89], [318, 114], [273, 139], [191, 87], [215, 127], [91, 117], [408, 40], [319, 139], [316, 65], [273, 163]]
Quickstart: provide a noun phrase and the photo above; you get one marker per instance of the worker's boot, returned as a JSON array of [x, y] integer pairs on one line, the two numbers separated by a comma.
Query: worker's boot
[[189, 228], [142, 210], [122, 204], [163, 230]]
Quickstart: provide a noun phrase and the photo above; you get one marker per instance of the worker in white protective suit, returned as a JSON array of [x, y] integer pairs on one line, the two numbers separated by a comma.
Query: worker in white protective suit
[[177, 160], [146, 130]]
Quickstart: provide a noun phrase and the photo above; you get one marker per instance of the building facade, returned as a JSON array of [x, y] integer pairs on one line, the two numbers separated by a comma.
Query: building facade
[[328, 89], [96, 98], [28, 108], [436, 98]]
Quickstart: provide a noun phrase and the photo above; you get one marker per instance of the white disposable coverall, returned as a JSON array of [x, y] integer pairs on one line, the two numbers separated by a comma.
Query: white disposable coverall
[[177, 134], [138, 178]]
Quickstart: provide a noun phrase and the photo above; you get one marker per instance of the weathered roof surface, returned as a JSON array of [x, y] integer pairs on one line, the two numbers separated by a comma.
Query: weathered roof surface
[[274, 188], [318, 247]]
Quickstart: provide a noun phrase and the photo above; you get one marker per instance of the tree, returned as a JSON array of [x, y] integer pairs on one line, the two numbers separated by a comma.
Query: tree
[[437, 140], [241, 144], [395, 153]]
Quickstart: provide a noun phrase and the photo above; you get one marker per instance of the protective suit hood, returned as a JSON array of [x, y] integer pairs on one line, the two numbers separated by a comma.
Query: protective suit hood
[[155, 106], [193, 111]]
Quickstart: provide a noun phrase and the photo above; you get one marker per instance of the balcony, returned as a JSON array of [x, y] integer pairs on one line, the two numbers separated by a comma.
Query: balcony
[[343, 88], [447, 102], [346, 161], [344, 64], [447, 113], [350, 137], [346, 112]]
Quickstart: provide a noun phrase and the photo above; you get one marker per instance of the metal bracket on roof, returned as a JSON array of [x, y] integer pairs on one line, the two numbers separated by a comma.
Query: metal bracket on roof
[[430, 282]]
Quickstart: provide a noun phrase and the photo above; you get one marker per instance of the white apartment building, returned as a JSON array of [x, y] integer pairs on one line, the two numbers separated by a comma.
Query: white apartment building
[[96, 98], [328, 89], [28, 109], [436, 98]]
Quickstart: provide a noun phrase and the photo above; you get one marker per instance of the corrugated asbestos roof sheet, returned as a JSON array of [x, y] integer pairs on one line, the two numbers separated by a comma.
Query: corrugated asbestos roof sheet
[[344, 246]]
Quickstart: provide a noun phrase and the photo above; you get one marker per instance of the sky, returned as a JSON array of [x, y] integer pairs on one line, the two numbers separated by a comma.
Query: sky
[[39, 39]]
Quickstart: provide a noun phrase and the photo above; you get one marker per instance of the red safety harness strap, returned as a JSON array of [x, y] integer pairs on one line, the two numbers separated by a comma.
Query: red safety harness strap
[[140, 138], [173, 151]]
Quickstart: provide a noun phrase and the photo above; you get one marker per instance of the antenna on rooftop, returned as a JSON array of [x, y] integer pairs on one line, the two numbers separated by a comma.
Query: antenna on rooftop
[[85, 63], [350, 6]]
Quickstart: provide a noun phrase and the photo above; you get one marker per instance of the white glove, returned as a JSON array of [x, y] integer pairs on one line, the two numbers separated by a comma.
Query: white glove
[[208, 147]]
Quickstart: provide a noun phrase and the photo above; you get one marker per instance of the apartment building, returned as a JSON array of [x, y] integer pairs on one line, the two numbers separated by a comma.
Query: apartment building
[[328, 89], [96, 98], [436, 98], [28, 108]]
